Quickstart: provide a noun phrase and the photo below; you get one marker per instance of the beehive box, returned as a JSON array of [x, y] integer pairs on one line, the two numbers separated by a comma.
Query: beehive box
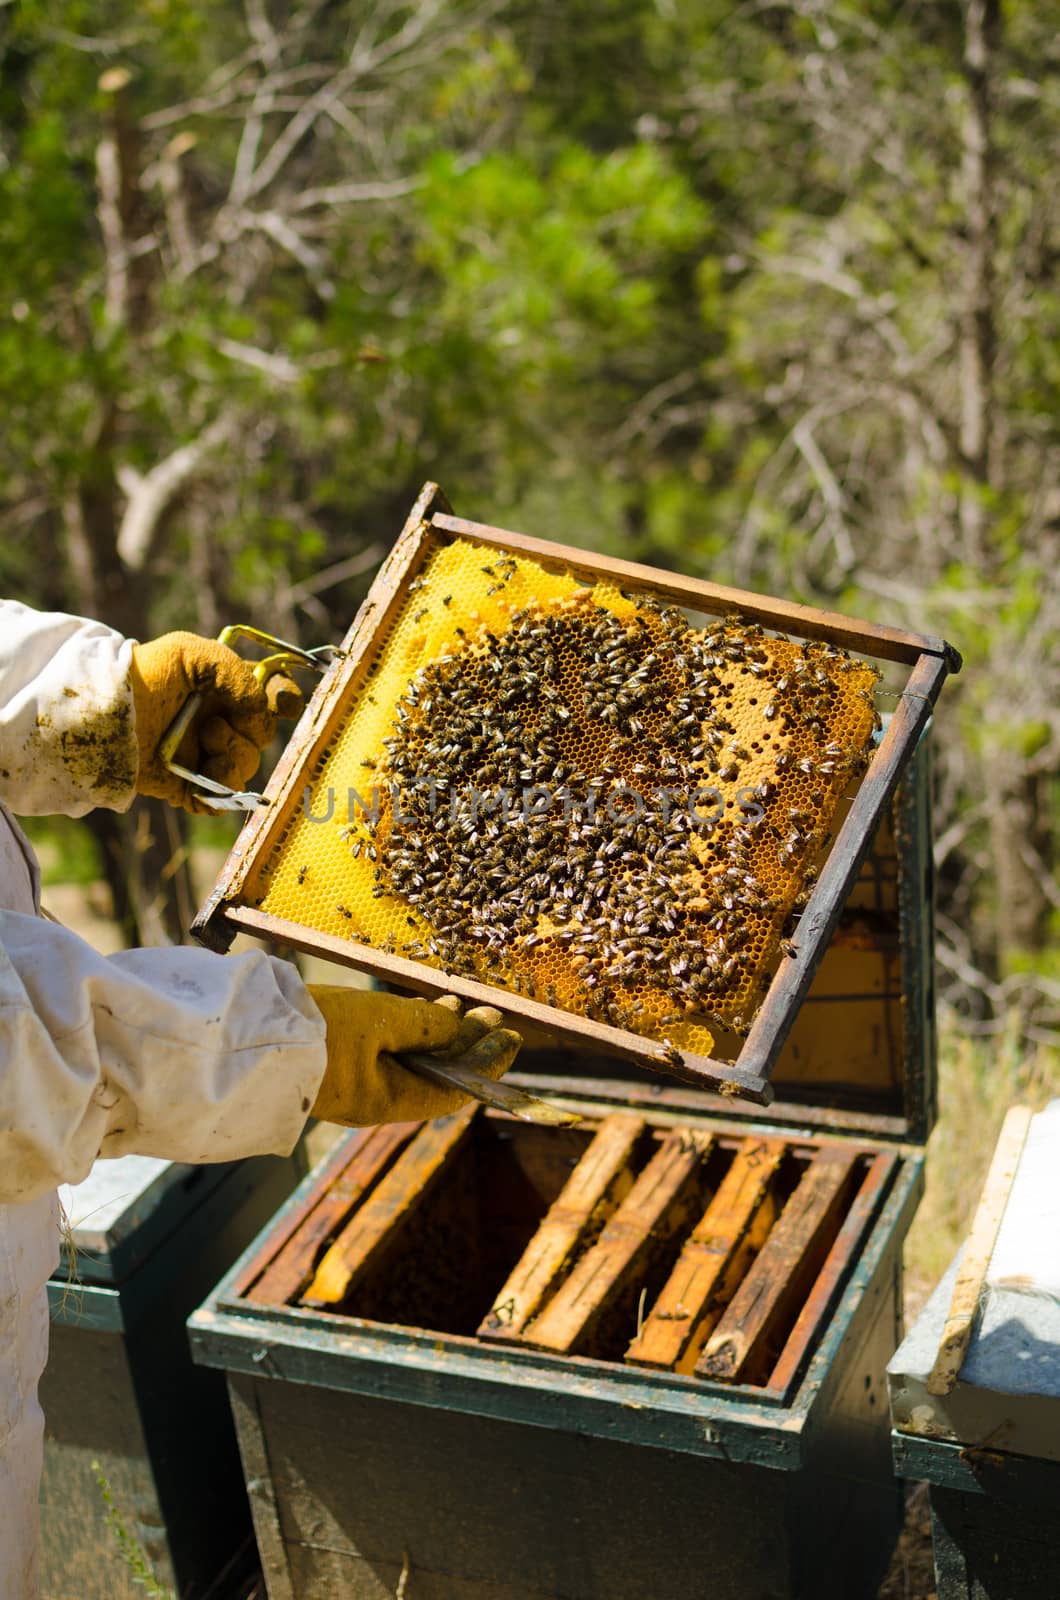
[[481, 1360], [644, 1356], [122, 1401], [989, 1445], [531, 781]]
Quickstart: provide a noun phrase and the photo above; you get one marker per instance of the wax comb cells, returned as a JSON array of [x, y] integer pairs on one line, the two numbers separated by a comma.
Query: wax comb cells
[[570, 792]]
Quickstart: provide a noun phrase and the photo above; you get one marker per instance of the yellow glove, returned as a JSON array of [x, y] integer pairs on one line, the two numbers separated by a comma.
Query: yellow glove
[[238, 718], [364, 1084]]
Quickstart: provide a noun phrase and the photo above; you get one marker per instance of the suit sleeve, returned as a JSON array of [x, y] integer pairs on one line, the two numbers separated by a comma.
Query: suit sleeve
[[172, 1052], [178, 1053]]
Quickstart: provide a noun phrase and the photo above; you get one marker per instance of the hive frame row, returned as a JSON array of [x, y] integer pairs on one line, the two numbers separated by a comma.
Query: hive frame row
[[758, 1274], [227, 912]]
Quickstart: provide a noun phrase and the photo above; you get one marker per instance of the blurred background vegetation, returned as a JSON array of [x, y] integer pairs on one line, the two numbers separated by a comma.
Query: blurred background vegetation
[[764, 292]]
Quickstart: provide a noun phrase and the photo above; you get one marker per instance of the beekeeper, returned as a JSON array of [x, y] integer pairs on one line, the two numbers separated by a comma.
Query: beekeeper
[[170, 1052]]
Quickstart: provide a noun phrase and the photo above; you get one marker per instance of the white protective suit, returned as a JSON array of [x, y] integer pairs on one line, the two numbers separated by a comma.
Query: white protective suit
[[173, 1052]]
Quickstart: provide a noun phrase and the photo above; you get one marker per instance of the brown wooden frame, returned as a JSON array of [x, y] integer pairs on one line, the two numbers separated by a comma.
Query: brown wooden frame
[[748, 1077]]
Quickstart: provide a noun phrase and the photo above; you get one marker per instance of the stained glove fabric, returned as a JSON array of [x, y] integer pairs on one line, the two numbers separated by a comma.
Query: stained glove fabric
[[67, 739], [364, 1084], [237, 721]]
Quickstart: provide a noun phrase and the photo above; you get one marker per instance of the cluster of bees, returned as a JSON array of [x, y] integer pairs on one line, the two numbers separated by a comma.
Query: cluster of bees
[[611, 811]]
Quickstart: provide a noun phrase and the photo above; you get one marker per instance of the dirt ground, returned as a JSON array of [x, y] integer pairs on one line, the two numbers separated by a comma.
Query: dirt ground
[[912, 1572]]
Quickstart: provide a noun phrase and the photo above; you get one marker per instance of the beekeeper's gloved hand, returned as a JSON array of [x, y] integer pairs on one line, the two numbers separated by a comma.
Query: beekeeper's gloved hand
[[364, 1084], [236, 723]]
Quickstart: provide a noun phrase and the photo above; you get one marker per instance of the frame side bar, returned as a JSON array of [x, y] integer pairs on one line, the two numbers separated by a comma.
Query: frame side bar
[[889, 644], [386, 592], [795, 973]]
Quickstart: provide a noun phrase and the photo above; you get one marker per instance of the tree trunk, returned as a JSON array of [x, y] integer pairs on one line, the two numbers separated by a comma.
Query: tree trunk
[[144, 851], [982, 37], [146, 864], [1022, 907], [1021, 847]]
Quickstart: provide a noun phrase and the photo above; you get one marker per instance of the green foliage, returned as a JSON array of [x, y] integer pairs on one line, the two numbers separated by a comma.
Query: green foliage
[[687, 282], [66, 850]]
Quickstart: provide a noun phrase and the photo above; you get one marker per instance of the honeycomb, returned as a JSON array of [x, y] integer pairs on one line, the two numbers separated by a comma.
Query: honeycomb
[[567, 791]]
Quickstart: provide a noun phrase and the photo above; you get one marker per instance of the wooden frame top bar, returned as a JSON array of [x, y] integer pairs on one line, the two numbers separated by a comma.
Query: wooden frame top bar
[[787, 616]]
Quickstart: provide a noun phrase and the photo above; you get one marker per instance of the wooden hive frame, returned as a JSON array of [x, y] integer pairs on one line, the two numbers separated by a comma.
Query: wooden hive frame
[[227, 912], [693, 1251]]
